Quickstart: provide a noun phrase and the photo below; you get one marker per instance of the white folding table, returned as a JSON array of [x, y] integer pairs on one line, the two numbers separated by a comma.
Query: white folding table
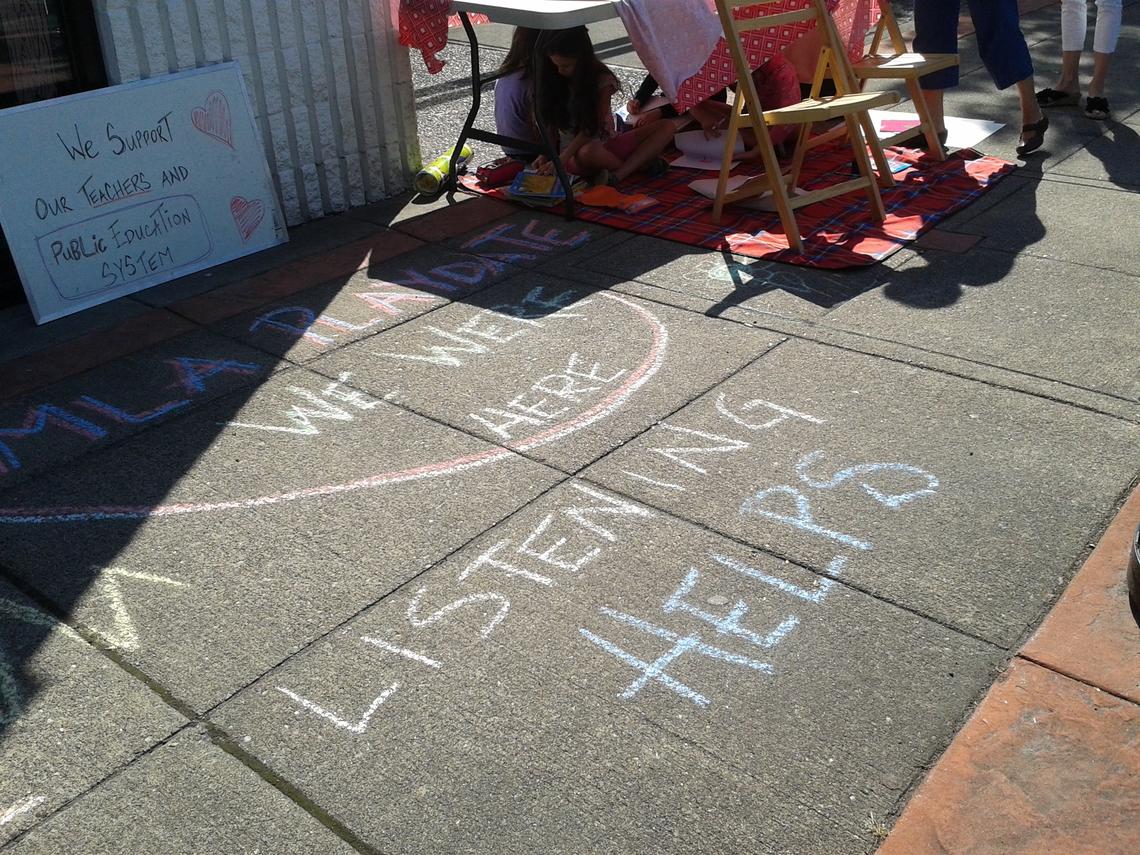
[[539, 15]]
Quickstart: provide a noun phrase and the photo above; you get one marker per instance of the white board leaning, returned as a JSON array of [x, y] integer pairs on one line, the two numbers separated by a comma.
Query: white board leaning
[[108, 192]]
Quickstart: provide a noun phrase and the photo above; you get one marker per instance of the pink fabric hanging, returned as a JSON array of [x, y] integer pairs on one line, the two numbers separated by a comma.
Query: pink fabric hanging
[[423, 26]]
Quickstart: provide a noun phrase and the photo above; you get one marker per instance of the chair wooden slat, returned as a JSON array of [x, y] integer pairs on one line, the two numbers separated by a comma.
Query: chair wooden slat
[[901, 64], [778, 19], [849, 104], [822, 110]]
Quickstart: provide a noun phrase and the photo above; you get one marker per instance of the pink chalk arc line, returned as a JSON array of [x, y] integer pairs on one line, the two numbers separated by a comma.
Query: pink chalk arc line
[[638, 378]]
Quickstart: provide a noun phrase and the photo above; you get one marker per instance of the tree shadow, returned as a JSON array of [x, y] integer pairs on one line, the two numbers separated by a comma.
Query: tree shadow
[[942, 282], [118, 446]]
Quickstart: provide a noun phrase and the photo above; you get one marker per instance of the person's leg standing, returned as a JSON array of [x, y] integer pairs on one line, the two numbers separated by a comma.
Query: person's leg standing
[[1006, 57], [936, 31], [1108, 14]]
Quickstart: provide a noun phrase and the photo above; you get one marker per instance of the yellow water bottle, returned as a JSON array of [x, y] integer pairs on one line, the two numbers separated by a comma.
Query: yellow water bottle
[[432, 175]]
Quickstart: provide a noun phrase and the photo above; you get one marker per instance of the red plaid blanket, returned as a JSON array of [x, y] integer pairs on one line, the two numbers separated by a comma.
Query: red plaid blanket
[[837, 232]]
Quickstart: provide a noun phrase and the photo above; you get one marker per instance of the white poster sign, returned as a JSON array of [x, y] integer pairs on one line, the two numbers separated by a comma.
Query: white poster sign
[[108, 192]]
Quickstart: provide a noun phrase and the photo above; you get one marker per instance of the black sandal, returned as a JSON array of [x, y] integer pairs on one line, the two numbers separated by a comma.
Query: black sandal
[[1058, 98], [1097, 108], [1032, 136]]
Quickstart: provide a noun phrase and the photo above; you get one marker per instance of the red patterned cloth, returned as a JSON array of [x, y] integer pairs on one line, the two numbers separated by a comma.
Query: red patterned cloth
[[424, 23], [853, 19], [837, 232], [423, 26]]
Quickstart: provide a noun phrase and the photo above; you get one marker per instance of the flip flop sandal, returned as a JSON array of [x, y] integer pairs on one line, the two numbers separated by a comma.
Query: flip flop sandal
[[1097, 108], [1032, 136], [1058, 98]]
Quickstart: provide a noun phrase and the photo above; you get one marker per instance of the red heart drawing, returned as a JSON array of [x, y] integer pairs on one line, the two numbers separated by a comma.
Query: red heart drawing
[[247, 215], [214, 119]]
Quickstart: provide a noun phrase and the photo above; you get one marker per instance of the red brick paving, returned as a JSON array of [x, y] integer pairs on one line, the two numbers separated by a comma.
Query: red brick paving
[[1090, 634], [1049, 763]]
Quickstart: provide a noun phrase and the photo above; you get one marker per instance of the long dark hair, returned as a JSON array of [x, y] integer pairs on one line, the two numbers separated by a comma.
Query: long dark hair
[[569, 104], [520, 56]]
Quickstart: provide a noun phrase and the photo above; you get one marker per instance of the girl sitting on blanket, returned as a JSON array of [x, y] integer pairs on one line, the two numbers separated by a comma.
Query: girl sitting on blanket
[[574, 90], [514, 92], [777, 85]]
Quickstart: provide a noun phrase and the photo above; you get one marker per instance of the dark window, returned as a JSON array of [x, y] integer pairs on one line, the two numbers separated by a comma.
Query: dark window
[[48, 48]]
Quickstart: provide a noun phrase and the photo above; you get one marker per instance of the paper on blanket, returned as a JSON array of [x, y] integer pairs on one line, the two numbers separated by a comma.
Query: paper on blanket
[[961, 133], [707, 188], [699, 152]]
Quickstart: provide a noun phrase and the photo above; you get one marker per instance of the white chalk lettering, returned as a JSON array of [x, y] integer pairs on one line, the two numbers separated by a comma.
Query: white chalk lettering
[[401, 651], [563, 386], [302, 417], [803, 518], [592, 373], [488, 559], [438, 615], [891, 500], [549, 556], [655, 671], [675, 454], [504, 421], [443, 354], [814, 595], [357, 728], [668, 485], [613, 507], [346, 394], [748, 406], [537, 409], [539, 302], [728, 624], [123, 634], [480, 325], [20, 808]]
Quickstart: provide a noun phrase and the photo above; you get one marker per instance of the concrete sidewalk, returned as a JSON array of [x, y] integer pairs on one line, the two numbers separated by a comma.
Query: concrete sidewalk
[[450, 526]]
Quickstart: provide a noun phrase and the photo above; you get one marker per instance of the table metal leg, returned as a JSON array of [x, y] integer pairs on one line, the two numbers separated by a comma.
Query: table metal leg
[[476, 101], [549, 145]]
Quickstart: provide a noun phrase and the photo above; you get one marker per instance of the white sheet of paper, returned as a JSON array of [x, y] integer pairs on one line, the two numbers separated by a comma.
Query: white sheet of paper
[[688, 161], [961, 133], [707, 188], [697, 144]]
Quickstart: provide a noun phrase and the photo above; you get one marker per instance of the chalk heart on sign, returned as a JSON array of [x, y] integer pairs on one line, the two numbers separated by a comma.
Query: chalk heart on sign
[[214, 119], [247, 215]]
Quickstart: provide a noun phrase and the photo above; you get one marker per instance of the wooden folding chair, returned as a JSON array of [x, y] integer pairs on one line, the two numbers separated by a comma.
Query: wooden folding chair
[[908, 67], [847, 104]]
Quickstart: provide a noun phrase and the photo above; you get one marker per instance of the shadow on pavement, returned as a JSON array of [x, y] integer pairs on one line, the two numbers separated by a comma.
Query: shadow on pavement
[[916, 286]]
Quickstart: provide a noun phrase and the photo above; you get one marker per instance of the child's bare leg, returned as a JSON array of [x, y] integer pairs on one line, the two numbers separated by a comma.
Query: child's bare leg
[[593, 157], [651, 141]]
